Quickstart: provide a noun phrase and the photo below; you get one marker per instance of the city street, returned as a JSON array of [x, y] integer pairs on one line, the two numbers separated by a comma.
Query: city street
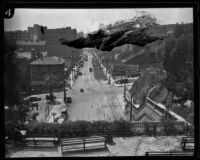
[[99, 101]]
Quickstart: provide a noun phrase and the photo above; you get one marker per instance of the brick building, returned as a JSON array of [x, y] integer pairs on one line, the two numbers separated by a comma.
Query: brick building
[[47, 68], [48, 40]]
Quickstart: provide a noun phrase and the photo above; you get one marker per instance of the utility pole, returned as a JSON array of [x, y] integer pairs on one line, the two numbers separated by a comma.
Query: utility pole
[[72, 64], [125, 88], [53, 114], [139, 70], [131, 108], [64, 92], [121, 78], [48, 106]]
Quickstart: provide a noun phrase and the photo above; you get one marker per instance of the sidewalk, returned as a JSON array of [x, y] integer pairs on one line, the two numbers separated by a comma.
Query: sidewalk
[[123, 146]]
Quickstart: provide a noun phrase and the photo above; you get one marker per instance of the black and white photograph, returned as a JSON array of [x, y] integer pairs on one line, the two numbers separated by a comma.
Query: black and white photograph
[[99, 82]]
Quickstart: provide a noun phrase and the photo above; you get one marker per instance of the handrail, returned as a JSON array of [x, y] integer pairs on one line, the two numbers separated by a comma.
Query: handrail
[[156, 106]]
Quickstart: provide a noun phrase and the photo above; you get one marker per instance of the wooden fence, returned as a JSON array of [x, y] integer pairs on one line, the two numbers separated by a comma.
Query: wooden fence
[[142, 124]]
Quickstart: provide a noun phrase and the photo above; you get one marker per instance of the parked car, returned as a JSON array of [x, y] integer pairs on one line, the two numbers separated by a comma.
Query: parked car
[[24, 94], [66, 88], [90, 69], [33, 99], [64, 113], [80, 73], [69, 100], [56, 119], [34, 105], [81, 90], [48, 97], [124, 81]]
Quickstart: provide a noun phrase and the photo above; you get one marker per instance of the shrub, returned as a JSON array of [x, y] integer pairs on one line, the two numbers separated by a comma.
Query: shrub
[[121, 127], [169, 127], [86, 128]]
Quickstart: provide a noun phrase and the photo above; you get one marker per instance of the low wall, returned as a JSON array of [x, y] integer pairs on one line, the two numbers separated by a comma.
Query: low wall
[[140, 126]]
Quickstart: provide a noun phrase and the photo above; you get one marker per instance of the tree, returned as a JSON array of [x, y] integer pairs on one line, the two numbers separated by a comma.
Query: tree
[[168, 51], [179, 30], [50, 83], [101, 26], [12, 89], [12, 77]]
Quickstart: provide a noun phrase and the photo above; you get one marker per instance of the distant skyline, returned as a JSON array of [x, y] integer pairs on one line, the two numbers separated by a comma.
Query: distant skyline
[[88, 20]]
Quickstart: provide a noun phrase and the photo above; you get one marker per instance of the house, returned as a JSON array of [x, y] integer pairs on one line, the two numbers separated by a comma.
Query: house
[[47, 69], [152, 111]]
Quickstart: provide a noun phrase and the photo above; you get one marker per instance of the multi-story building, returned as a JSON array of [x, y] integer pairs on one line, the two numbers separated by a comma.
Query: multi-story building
[[46, 69], [37, 36]]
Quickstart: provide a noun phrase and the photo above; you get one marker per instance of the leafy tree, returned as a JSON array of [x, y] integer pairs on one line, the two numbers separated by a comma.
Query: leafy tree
[[12, 91], [167, 62], [12, 77], [179, 30]]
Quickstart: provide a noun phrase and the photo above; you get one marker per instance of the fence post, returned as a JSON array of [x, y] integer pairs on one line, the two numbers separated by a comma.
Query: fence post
[[185, 140], [105, 141], [61, 147], [154, 130], [34, 142]]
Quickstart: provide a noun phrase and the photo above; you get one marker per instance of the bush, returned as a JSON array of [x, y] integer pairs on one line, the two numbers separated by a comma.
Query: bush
[[87, 128], [169, 127], [121, 127]]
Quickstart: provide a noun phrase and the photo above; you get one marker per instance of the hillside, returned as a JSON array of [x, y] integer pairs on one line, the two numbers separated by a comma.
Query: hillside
[[149, 79], [154, 52], [175, 86], [152, 84]]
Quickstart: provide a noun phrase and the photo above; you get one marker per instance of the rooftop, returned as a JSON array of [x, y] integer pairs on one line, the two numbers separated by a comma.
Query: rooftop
[[48, 61], [40, 43]]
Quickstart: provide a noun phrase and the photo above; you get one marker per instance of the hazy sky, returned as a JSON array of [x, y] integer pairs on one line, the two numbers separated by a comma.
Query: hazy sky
[[87, 20]]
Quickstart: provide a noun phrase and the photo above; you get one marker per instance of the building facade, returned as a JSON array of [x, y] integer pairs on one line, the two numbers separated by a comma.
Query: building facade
[[49, 38], [46, 69]]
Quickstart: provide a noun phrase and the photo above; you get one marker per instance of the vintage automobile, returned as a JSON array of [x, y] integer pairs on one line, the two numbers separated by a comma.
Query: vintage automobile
[[69, 100], [34, 99]]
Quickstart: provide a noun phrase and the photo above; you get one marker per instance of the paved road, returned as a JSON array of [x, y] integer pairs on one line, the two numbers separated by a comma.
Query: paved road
[[99, 100]]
